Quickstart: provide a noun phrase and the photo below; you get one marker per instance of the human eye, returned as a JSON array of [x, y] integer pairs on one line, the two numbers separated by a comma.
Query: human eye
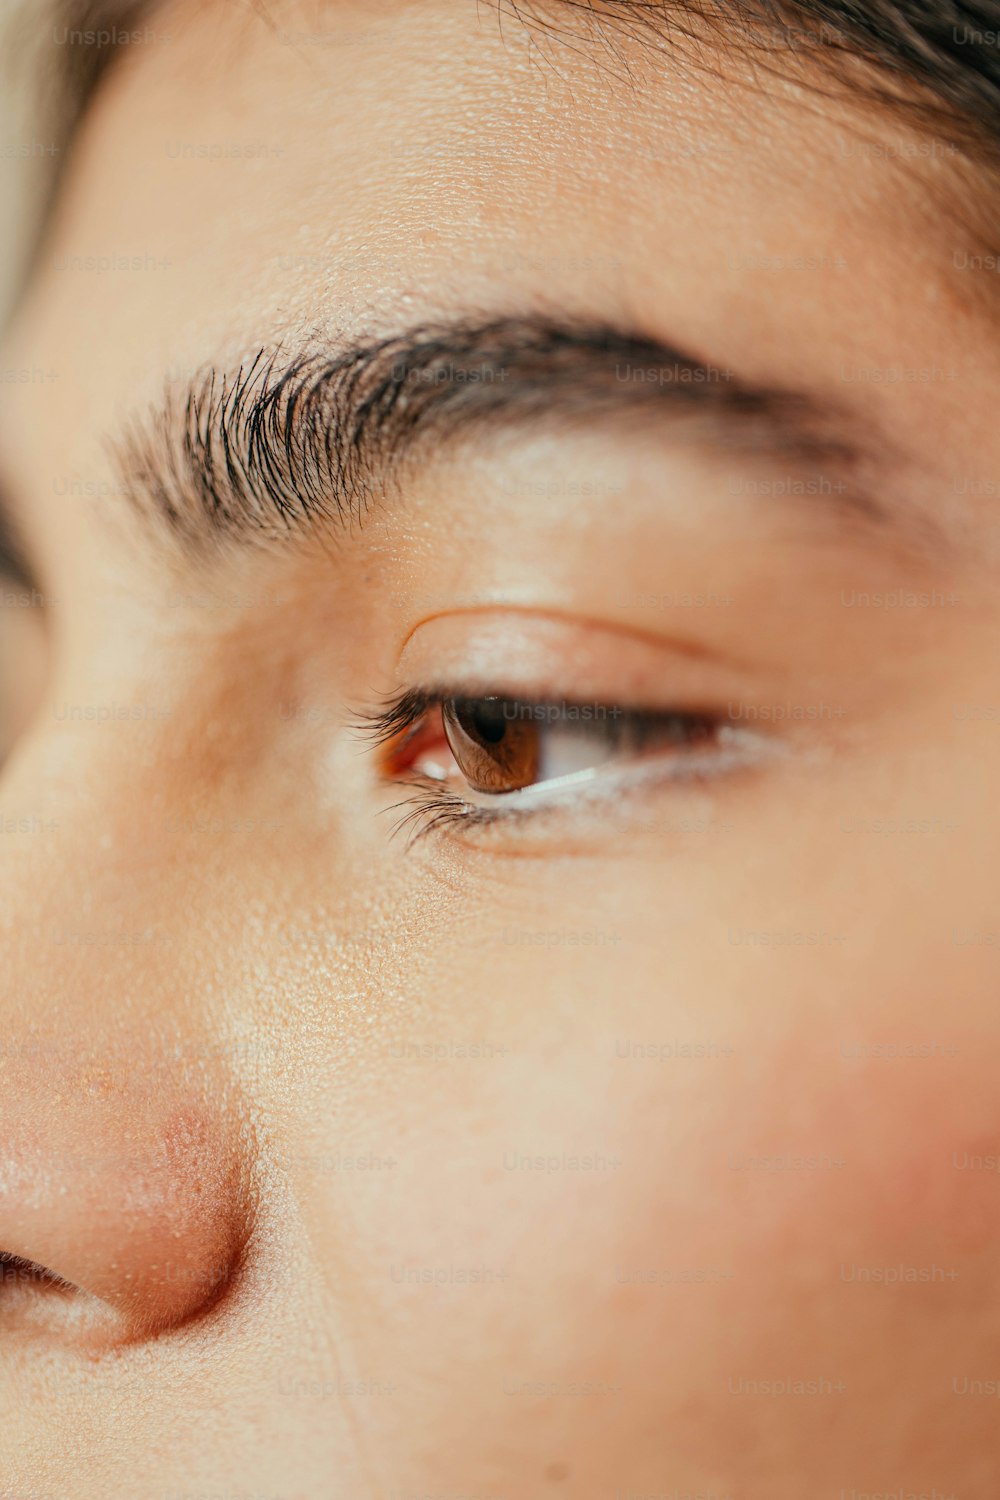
[[474, 757]]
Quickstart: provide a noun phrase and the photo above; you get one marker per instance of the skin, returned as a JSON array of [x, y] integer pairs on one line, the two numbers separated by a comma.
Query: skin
[[238, 1103]]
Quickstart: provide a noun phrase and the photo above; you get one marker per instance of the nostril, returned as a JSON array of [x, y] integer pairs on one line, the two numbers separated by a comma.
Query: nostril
[[121, 1219], [145, 1293], [24, 1280], [36, 1299], [16, 1272]]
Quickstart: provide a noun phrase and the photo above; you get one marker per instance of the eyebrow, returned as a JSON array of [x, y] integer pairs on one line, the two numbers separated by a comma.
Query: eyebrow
[[288, 445]]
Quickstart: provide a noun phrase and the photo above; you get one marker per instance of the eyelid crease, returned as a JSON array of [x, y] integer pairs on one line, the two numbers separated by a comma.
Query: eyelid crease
[[503, 614]]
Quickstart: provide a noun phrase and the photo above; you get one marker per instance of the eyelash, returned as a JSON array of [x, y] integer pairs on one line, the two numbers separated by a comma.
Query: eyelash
[[432, 806]]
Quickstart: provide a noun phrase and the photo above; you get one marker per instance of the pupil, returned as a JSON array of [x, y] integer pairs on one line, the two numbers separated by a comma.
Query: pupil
[[489, 721]]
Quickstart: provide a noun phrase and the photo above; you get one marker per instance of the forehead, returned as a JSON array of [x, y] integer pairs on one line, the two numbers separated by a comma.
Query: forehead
[[430, 151], [350, 169]]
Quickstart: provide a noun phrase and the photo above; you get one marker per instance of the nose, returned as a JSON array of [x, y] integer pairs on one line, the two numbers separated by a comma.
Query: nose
[[123, 1203], [125, 1176]]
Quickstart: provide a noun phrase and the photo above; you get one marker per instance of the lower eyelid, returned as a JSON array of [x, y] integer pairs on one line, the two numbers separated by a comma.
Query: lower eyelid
[[538, 810]]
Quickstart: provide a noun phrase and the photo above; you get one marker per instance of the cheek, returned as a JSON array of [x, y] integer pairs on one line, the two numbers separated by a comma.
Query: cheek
[[634, 1188], [920, 1140]]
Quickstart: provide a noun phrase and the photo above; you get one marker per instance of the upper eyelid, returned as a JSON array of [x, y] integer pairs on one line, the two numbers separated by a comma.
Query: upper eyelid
[[381, 724], [404, 710]]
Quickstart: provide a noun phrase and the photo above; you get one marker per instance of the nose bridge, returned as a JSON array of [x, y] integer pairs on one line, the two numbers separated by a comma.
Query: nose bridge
[[124, 1164]]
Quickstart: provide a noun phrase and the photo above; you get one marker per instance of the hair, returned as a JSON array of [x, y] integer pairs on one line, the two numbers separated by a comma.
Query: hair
[[935, 63]]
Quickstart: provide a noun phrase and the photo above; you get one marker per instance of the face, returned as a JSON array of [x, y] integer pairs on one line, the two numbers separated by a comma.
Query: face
[[500, 813]]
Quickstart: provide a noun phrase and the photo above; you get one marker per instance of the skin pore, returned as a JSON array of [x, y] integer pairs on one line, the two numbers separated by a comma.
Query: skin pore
[[535, 1149]]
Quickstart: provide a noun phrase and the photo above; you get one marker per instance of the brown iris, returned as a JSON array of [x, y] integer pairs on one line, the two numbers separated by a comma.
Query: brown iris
[[496, 743]]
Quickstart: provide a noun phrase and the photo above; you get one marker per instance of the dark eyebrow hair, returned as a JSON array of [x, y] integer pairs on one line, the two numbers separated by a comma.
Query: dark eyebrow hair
[[288, 444]]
